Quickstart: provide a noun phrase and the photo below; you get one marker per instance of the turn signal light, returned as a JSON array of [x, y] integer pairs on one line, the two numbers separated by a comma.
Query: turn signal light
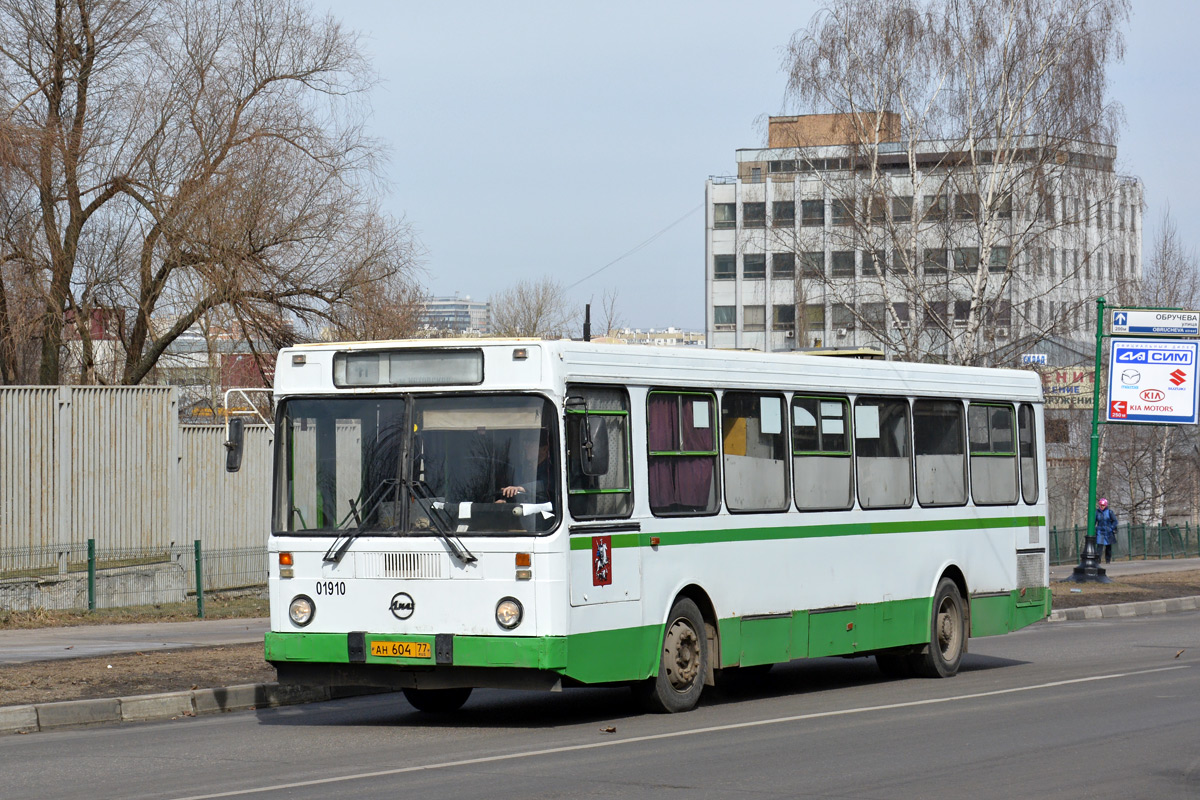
[[524, 560], [285, 559]]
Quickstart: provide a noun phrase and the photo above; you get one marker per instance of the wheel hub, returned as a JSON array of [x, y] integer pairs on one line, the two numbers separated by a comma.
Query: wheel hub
[[682, 660]]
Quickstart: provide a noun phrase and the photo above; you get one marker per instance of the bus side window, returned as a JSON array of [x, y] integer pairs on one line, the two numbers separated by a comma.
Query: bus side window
[[1027, 437], [682, 458], [882, 452], [608, 494], [821, 462], [941, 451], [755, 452], [993, 455]]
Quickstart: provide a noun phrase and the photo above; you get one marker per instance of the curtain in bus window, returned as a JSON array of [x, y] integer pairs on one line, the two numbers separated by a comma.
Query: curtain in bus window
[[993, 455], [754, 450], [1028, 444], [821, 462], [883, 457], [682, 460], [941, 452]]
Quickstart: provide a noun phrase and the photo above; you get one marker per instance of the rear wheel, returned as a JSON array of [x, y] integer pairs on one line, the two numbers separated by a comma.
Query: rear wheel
[[682, 663], [948, 634], [437, 701]]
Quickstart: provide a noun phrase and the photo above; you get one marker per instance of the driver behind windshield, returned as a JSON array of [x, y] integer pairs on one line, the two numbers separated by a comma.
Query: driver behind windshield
[[530, 471]]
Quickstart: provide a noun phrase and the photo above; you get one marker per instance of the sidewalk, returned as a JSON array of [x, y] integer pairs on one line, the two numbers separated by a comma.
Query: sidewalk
[[80, 641], [1136, 567]]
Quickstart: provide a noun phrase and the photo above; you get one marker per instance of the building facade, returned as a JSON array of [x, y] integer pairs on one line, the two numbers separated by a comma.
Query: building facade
[[914, 247], [458, 315]]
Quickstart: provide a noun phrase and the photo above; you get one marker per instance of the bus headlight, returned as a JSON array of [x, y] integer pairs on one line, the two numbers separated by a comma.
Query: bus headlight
[[301, 610], [509, 613]]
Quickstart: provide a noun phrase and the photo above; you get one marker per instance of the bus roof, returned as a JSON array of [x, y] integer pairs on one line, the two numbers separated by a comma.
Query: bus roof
[[549, 364]]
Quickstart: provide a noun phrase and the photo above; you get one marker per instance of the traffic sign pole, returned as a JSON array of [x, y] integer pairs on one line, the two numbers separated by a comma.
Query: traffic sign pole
[[1089, 569]]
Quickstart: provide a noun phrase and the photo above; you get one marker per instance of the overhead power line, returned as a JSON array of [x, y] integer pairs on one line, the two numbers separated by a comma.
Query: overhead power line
[[628, 253]]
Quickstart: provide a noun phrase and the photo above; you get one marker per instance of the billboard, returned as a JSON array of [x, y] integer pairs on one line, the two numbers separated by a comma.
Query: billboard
[[1153, 380], [1068, 387]]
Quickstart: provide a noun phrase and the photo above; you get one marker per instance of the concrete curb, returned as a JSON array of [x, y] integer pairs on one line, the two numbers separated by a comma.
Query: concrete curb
[[1141, 608], [167, 705]]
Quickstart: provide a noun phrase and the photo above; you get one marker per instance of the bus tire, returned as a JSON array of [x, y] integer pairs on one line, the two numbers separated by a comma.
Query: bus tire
[[947, 634], [682, 663], [437, 701]]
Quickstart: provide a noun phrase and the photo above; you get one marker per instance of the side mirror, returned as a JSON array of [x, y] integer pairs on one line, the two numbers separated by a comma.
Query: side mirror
[[233, 445], [593, 450]]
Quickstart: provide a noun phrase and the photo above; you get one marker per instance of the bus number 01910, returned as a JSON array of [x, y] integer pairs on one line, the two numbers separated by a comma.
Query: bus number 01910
[[331, 588]]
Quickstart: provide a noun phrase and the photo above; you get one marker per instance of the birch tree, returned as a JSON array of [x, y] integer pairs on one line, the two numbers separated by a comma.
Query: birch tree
[[968, 126]]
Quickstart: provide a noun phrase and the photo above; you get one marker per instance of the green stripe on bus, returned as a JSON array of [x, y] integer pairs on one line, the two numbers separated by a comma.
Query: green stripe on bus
[[668, 538], [630, 654]]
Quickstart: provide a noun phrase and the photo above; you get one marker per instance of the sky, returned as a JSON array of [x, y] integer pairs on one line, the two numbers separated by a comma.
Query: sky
[[534, 139]]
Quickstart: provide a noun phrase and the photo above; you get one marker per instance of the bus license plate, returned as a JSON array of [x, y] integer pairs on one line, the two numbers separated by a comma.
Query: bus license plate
[[400, 649]]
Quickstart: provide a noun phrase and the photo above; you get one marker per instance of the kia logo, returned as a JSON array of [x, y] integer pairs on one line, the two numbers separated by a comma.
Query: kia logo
[[402, 605], [1153, 395]]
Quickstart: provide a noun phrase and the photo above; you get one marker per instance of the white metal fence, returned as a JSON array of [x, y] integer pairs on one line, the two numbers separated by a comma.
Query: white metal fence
[[113, 464]]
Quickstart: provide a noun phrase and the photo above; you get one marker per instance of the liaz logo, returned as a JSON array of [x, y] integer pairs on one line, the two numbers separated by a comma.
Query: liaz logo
[[402, 605], [1153, 395]]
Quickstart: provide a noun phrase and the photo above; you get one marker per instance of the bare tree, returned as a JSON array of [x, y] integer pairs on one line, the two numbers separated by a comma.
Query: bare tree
[[180, 156], [533, 308], [975, 141], [610, 316]]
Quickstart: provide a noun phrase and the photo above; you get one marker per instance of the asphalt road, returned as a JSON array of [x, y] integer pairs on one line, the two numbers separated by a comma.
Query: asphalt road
[[1097, 709]]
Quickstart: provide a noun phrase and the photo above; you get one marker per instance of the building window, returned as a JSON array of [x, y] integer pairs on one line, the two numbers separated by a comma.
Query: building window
[[754, 215], [998, 259], [812, 213], [724, 215], [812, 264], [841, 212], [724, 268], [783, 317], [902, 209], [966, 206], [783, 213], [1004, 207], [842, 317], [754, 266], [783, 265], [753, 318], [814, 318], [874, 316], [781, 166], [935, 207], [966, 259], [874, 262], [935, 315], [754, 452], [842, 264], [756, 174], [934, 260], [724, 318]]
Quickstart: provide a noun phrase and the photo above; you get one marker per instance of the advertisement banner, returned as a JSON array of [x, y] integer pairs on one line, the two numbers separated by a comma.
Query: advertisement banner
[[1153, 380], [1068, 387]]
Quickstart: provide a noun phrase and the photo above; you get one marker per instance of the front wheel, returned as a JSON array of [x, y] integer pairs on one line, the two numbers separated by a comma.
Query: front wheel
[[437, 701], [948, 635], [682, 665]]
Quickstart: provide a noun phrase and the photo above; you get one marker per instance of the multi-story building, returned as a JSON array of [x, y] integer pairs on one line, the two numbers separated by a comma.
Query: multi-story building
[[915, 247], [457, 315], [662, 337]]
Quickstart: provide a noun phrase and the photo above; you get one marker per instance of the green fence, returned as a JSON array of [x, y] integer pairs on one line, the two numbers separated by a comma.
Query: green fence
[[65, 579], [1134, 541]]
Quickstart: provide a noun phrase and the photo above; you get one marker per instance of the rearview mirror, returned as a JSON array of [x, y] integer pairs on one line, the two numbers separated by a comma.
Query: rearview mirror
[[233, 445]]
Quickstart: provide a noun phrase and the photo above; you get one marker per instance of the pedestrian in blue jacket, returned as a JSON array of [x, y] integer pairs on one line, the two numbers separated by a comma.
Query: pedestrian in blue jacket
[[1106, 528]]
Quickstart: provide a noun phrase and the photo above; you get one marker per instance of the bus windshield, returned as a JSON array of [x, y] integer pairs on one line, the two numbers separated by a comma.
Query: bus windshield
[[417, 465]]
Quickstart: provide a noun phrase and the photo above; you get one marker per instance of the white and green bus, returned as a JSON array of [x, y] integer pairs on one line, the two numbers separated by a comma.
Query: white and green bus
[[540, 514]]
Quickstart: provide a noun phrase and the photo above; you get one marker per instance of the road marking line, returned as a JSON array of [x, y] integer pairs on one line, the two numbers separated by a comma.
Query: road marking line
[[672, 735]]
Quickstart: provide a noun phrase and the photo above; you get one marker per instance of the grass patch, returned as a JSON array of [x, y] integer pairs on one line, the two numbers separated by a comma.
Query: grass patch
[[216, 606]]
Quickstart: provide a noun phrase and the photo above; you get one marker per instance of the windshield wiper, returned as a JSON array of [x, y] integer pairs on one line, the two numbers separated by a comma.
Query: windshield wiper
[[341, 544], [457, 548]]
